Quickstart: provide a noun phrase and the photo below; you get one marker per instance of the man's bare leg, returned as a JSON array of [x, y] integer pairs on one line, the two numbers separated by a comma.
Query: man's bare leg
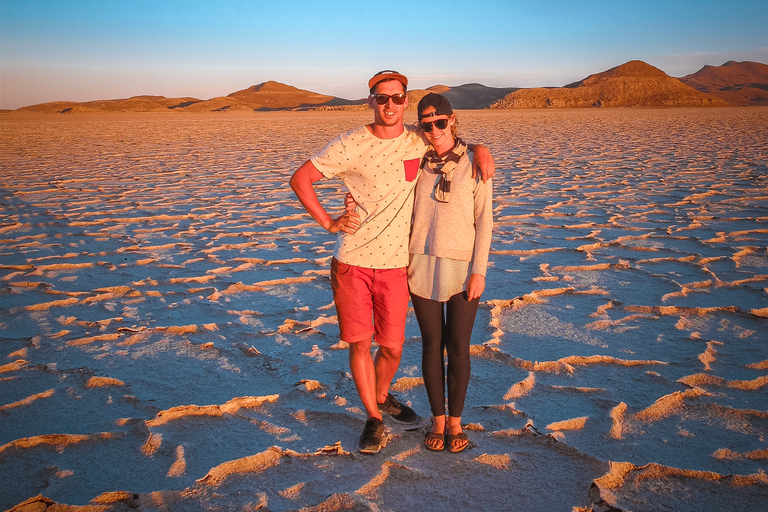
[[361, 365], [364, 374], [386, 362]]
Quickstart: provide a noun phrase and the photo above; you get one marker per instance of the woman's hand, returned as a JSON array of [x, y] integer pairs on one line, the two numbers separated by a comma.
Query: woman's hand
[[475, 286], [349, 203], [348, 223]]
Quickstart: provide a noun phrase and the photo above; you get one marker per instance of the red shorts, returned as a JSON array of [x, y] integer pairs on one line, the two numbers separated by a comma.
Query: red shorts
[[370, 302]]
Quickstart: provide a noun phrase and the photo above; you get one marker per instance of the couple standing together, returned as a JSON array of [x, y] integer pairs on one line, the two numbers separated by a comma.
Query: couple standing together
[[420, 227]]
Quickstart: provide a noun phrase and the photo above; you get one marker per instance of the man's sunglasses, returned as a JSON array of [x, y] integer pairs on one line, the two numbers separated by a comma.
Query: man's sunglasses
[[383, 99], [441, 124]]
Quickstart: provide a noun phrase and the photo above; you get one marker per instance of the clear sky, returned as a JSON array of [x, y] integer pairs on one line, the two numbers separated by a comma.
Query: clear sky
[[82, 50]]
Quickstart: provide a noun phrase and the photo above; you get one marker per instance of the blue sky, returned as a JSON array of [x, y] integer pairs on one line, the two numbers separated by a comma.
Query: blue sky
[[82, 50]]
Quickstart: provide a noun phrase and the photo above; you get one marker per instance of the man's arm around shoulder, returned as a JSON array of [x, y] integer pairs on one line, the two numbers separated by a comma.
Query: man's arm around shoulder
[[483, 161]]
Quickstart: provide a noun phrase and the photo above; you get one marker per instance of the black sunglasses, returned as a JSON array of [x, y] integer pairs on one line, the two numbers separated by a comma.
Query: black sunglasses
[[383, 99], [441, 124]]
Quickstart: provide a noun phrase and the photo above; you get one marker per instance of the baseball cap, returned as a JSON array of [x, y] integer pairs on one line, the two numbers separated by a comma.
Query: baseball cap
[[438, 101], [387, 75]]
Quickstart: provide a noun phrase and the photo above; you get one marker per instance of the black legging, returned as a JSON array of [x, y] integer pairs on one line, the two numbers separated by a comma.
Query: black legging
[[445, 325]]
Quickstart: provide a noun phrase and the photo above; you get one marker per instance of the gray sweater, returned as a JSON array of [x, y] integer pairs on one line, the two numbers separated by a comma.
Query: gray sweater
[[460, 229]]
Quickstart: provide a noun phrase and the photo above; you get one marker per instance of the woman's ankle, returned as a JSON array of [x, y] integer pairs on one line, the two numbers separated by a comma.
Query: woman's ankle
[[438, 423], [454, 425]]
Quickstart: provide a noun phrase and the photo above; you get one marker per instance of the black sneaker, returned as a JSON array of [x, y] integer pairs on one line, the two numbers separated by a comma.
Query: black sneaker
[[399, 412], [373, 435]]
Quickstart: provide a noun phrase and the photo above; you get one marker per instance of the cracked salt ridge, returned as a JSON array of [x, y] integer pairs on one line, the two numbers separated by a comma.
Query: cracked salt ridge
[[171, 273]]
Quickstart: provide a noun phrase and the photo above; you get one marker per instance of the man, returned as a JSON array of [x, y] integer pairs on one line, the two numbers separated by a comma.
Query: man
[[379, 163]]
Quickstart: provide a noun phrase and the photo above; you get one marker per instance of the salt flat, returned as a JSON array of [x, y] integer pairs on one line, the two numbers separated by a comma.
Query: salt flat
[[170, 341]]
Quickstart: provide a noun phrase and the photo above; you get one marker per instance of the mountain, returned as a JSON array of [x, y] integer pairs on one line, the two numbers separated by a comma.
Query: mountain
[[634, 84], [267, 96], [738, 83]]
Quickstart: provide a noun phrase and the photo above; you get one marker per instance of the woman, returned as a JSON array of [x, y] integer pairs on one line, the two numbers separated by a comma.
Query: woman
[[449, 245]]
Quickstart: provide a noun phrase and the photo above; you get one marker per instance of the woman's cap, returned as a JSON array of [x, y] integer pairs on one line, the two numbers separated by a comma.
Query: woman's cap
[[440, 103]]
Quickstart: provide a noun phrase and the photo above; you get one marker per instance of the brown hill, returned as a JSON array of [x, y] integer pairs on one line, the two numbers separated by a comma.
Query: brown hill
[[134, 104], [267, 96], [738, 83], [634, 84]]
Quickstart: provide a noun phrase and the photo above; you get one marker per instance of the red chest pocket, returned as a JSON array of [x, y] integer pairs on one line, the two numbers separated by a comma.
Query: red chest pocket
[[411, 168]]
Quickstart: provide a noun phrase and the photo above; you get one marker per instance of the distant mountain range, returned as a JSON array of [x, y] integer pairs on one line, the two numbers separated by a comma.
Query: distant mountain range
[[633, 84]]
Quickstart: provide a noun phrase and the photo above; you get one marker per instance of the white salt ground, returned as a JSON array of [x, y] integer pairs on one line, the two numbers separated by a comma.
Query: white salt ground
[[169, 340]]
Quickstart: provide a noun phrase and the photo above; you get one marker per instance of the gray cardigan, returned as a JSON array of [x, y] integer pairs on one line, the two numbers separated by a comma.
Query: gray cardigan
[[460, 229]]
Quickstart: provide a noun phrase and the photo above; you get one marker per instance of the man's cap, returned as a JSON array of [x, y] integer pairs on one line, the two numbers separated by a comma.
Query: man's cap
[[387, 75], [438, 101]]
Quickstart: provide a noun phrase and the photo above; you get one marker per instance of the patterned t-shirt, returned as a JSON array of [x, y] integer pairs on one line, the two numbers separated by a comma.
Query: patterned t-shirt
[[381, 175]]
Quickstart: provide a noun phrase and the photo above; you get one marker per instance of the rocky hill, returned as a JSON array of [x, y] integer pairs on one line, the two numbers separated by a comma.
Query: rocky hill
[[267, 96], [738, 83], [634, 84]]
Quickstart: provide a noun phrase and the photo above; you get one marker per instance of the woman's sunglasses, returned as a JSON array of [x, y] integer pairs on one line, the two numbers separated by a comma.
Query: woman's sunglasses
[[441, 124], [383, 99]]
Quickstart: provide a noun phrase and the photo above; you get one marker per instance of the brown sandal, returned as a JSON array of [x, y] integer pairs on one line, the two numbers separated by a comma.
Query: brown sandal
[[435, 436], [449, 439]]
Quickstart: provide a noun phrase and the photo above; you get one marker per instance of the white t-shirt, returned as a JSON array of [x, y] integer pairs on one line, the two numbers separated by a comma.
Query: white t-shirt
[[381, 175]]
